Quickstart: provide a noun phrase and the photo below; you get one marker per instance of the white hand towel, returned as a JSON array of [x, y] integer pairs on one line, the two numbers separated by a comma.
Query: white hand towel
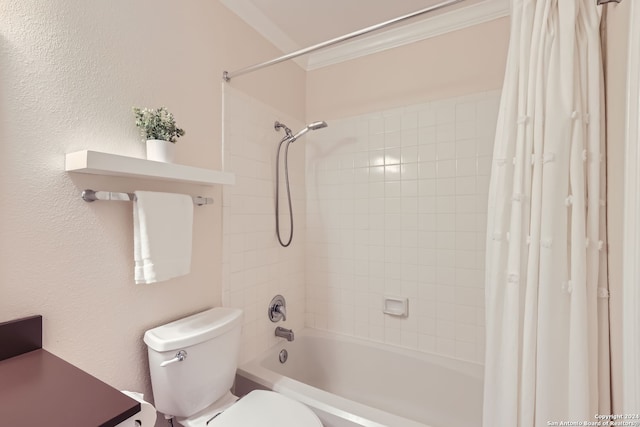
[[162, 234]]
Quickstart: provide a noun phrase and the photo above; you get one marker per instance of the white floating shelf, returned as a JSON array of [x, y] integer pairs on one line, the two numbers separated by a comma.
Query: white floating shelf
[[97, 163]]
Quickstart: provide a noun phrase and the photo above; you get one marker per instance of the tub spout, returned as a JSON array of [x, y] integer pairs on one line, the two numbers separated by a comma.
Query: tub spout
[[284, 333]]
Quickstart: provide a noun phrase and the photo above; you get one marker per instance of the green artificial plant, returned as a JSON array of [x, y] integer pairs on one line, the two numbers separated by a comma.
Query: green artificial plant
[[157, 124]]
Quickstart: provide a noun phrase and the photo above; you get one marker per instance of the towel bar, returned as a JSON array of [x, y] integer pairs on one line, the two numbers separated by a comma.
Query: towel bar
[[92, 196]]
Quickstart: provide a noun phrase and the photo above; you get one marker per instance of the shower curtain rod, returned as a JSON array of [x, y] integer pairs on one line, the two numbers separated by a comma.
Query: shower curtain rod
[[229, 75]]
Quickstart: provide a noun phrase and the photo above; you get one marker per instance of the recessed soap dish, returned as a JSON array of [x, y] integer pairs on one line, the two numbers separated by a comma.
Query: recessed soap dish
[[396, 306]]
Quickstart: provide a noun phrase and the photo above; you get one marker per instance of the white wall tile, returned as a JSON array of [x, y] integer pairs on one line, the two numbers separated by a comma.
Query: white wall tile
[[406, 216], [465, 130], [465, 111], [393, 139], [445, 111], [409, 136], [427, 153], [409, 155], [426, 116], [427, 135]]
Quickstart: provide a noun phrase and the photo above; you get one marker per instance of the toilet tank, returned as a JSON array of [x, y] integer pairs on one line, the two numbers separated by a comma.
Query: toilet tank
[[211, 340]]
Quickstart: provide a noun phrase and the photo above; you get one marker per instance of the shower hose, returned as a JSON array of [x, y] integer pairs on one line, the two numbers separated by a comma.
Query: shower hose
[[286, 139]]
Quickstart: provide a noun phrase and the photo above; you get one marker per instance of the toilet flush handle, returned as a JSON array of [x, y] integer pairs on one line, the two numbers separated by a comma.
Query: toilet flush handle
[[180, 356]]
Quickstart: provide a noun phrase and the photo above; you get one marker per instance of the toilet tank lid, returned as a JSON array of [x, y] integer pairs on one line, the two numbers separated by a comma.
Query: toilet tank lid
[[193, 329]]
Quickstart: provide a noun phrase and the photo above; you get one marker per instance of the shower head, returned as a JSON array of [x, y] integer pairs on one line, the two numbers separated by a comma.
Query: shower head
[[311, 126]]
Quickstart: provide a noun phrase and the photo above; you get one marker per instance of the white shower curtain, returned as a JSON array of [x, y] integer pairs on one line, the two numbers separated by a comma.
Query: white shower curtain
[[547, 357]]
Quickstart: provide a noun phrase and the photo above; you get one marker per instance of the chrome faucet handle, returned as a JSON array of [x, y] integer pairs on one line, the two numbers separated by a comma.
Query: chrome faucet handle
[[277, 309], [282, 310]]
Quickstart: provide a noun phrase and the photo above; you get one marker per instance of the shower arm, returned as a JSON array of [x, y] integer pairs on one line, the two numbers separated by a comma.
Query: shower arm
[[277, 126]]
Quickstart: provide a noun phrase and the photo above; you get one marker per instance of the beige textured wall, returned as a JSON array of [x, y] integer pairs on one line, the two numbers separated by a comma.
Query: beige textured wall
[[458, 63], [616, 32], [71, 71]]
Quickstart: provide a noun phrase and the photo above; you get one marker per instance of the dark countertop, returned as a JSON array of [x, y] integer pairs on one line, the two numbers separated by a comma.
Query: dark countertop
[[40, 389]]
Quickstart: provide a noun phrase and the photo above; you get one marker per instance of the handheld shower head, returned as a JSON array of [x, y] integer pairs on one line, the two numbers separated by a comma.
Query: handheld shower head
[[286, 141], [291, 137], [311, 126], [317, 125]]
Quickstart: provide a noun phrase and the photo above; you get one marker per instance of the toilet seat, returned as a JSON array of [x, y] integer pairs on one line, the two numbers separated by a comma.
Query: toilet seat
[[262, 408]]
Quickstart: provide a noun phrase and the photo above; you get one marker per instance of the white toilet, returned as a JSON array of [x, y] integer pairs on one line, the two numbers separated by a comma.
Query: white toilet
[[193, 364]]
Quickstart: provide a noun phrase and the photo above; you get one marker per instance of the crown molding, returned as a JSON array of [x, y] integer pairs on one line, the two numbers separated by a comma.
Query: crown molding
[[433, 26]]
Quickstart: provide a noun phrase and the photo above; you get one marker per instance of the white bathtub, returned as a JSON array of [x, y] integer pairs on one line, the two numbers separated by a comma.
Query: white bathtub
[[350, 382]]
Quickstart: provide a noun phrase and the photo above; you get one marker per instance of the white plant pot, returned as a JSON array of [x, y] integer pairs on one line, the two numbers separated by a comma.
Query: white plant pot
[[160, 151]]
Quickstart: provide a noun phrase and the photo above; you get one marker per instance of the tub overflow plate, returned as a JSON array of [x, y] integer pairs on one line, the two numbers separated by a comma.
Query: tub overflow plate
[[283, 356]]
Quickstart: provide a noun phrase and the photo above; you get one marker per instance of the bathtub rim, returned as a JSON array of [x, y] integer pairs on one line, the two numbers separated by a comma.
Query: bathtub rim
[[336, 405], [473, 369]]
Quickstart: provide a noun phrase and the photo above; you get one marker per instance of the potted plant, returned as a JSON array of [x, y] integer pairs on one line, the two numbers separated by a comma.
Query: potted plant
[[158, 127]]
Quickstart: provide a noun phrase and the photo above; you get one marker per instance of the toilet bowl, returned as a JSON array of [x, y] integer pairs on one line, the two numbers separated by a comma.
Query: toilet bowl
[[192, 362]]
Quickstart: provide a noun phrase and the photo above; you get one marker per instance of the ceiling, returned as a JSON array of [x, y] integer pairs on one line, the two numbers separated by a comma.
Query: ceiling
[[294, 24]]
